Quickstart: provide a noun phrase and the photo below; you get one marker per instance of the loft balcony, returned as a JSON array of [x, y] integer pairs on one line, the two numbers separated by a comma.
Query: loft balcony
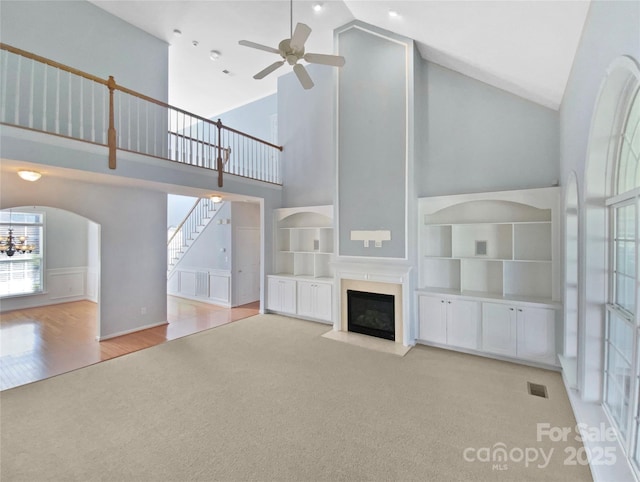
[[44, 96]]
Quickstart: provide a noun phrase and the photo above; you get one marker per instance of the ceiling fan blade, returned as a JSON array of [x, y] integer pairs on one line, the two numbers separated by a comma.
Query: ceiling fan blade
[[300, 36], [303, 76], [254, 45], [334, 60], [263, 73]]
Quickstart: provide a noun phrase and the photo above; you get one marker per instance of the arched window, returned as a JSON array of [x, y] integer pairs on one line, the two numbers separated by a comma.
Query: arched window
[[622, 365]]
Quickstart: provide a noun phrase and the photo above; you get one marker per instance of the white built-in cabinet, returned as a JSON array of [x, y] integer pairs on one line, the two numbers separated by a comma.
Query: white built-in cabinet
[[314, 300], [500, 252], [303, 254], [523, 332], [281, 294], [451, 322]]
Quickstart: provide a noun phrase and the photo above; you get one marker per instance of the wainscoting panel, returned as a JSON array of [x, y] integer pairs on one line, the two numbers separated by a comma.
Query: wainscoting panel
[[220, 288], [66, 283], [187, 283], [207, 285]]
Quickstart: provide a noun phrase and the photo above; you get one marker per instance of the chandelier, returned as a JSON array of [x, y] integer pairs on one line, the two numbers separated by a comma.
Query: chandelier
[[11, 245]]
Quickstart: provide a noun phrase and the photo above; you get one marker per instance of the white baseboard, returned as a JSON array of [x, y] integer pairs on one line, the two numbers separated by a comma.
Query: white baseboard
[[209, 301], [127, 332]]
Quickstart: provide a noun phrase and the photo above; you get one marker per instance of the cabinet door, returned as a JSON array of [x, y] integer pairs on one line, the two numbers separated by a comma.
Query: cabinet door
[[499, 329], [306, 294], [433, 322], [536, 334], [323, 301], [463, 318], [287, 296], [273, 294]]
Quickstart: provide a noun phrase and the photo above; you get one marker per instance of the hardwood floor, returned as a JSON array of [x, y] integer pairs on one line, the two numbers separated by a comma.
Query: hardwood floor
[[39, 343]]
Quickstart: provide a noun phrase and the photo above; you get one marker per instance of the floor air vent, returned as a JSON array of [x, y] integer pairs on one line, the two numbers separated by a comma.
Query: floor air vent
[[537, 390]]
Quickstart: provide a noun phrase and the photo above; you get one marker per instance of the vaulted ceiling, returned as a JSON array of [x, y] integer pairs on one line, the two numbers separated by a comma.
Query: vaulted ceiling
[[523, 47]]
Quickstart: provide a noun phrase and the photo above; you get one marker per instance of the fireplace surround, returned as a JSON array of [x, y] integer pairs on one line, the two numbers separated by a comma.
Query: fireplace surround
[[390, 277]]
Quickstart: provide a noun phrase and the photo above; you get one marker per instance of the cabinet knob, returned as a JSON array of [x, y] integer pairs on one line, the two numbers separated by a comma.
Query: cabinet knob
[[520, 310], [449, 302], [441, 301], [510, 309]]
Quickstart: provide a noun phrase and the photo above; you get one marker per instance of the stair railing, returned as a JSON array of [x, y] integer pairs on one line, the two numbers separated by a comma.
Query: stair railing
[[40, 94], [200, 214]]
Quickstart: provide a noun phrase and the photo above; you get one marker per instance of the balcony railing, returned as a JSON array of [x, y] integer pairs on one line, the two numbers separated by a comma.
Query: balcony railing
[[44, 95]]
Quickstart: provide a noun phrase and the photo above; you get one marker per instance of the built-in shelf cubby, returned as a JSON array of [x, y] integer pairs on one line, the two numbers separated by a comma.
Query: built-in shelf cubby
[[497, 245], [304, 242]]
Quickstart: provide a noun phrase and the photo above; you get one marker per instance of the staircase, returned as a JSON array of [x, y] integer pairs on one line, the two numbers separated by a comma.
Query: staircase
[[201, 214]]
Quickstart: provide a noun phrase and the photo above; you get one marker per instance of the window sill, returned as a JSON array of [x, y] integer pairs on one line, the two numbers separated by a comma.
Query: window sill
[[22, 295]]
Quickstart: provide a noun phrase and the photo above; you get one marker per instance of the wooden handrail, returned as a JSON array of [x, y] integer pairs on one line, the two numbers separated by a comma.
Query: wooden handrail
[[52, 63], [184, 220]]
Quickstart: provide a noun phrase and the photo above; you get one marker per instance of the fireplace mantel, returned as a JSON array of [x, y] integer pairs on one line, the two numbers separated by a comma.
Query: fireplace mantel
[[375, 270]]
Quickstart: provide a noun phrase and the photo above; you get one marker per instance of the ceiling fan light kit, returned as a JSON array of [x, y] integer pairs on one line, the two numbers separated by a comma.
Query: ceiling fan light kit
[[292, 51]]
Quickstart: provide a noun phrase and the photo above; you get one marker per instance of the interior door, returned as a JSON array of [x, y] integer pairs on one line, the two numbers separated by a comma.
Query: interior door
[[247, 265]]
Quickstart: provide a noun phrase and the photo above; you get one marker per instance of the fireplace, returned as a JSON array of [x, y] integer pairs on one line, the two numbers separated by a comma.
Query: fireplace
[[371, 314]]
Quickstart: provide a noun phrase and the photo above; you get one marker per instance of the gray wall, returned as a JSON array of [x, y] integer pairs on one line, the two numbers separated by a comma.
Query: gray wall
[[372, 142], [205, 252], [177, 208], [612, 29], [477, 138], [253, 118], [306, 130], [83, 36]]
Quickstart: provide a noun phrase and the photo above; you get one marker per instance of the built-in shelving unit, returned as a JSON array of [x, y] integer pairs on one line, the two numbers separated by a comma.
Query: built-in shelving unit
[[304, 243], [494, 247], [489, 274], [302, 284]]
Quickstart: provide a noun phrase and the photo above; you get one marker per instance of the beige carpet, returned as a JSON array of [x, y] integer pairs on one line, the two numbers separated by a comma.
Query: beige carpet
[[268, 398]]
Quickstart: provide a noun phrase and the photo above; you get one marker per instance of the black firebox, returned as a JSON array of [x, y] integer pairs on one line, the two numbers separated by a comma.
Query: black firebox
[[371, 314]]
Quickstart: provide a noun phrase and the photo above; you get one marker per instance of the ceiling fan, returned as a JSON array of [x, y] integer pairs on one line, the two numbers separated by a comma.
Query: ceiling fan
[[292, 50]]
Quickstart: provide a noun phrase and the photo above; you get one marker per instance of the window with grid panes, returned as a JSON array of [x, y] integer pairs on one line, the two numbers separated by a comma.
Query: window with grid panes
[[22, 274], [622, 367]]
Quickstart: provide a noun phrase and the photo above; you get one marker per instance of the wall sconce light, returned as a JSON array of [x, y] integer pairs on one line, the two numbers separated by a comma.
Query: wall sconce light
[[29, 175], [216, 199]]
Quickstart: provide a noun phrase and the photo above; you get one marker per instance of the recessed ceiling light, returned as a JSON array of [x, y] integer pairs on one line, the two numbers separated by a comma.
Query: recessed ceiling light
[[393, 13], [195, 43], [177, 32], [317, 7], [225, 71], [214, 55]]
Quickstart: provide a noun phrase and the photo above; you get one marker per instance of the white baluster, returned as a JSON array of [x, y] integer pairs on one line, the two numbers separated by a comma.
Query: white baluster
[[69, 121], [129, 123], [104, 116], [5, 65], [17, 100], [138, 123], [32, 92], [44, 97], [93, 112], [81, 107], [57, 101]]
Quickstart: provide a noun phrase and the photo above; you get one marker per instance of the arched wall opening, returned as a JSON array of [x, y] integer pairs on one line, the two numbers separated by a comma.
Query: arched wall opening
[[70, 260]]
